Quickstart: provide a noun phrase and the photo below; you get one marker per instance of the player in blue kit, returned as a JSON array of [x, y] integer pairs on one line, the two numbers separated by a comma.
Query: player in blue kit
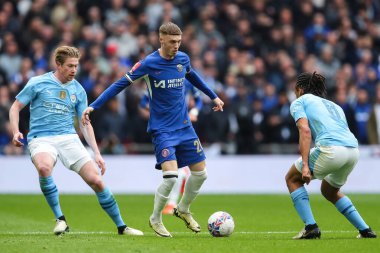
[[175, 141], [56, 98], [331, 160], [194, 102]]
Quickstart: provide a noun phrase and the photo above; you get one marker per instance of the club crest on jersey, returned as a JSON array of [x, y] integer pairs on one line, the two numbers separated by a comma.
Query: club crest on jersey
[[73, 98], [179, 68], [138, 64], [62, 94], [165, 152]]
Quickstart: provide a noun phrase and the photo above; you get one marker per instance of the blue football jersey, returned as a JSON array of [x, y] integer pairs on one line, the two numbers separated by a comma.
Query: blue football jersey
[[327, 121], [53, 105], [165, 81]]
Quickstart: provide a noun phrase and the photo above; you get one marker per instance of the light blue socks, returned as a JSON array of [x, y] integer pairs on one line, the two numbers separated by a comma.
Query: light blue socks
[[345, 206], [50, 192], [108, 203], [302, 204]]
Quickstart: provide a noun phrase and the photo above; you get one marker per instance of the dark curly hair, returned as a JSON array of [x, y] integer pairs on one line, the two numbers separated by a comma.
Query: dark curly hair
[[312, 83]]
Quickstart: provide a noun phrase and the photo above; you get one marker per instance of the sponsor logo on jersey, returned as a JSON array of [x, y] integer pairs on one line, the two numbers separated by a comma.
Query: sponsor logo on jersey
[[179, 68], [73, 98], [136, 66], [56, 108], [165, 152], [62, 94], [170, 83]]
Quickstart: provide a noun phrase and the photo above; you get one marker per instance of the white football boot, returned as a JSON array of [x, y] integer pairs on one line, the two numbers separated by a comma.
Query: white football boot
[[188, 219], [159, 229], [60, 227], [131, 231]]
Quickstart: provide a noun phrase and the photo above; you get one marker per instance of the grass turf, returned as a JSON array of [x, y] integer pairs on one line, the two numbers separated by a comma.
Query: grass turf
[[264, 223]]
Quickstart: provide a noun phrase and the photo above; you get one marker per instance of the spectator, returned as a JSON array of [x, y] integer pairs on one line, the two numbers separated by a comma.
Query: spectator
[[374, 121]]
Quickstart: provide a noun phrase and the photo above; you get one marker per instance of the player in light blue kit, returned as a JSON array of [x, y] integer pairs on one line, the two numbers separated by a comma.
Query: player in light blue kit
[[175, 141], [56, 98], [331, 160]]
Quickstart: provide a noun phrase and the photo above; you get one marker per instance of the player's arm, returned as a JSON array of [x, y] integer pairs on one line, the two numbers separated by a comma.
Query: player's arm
[[109, 93], [193, 113], [89, 136], [14, 118], [197, 81], [304, 143]]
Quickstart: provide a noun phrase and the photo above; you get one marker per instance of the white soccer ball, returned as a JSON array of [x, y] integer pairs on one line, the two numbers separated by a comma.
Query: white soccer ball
[[221, 224]]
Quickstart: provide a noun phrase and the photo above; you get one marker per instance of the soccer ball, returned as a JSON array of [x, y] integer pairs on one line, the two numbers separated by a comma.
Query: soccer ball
[[221, 224]]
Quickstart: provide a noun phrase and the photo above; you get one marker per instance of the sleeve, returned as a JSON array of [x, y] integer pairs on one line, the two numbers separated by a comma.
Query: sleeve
[[139, 70], [197, 81], [297, 110], [110, 92], [28, 93]]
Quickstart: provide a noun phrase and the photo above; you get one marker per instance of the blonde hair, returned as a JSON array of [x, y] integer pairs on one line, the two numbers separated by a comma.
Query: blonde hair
[[64, 52], [170, 28]]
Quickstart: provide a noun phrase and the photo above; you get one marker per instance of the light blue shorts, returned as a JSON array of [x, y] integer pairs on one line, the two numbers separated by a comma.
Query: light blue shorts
[[332, 164]]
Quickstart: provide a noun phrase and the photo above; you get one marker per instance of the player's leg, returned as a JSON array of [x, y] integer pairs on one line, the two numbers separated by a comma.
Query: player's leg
[[169, 175], [344, 205], [198, 175], [332, 183], [301, 203], [176, 191], [190, 152], [74, 156], [44, 157], [91, 176]]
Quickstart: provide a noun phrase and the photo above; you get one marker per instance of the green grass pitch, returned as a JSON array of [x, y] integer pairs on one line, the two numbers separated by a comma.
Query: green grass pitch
[[264, 223]]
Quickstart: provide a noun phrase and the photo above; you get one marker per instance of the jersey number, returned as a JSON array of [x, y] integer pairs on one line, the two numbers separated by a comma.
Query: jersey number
[[332, 110], [197, 143]]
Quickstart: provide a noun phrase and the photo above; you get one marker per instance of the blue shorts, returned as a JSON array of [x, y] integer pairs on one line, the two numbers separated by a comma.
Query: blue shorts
[[182, 145]]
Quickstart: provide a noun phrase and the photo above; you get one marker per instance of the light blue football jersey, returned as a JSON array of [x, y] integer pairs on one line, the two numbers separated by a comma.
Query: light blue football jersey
[[327, 121], [53, 106]]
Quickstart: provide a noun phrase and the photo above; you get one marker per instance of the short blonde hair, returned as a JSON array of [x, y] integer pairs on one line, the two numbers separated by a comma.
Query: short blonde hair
[[170, 28], [64, 52]]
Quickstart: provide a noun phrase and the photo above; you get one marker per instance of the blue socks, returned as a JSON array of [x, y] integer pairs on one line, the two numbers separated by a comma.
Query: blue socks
[[108, 203], [50, 192], [301, 203], [345, 206]]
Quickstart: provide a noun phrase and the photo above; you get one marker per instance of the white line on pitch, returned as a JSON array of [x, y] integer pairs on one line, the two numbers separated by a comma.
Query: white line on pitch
[[110, 233]]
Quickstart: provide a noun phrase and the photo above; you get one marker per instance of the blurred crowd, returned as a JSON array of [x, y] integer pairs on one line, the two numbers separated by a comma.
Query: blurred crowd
[[248, 51]]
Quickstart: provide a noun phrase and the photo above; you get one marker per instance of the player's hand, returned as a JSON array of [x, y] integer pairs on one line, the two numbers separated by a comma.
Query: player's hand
[[86, 115], [306, 174], [101, 163], [218, 104], [193, 114], [16, 139]]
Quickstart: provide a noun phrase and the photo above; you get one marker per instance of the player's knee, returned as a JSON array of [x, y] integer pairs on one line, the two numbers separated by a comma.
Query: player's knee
[[330, 193], [97, 184], [201, 175], [170, 178], [289, 178], [44, 170]]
